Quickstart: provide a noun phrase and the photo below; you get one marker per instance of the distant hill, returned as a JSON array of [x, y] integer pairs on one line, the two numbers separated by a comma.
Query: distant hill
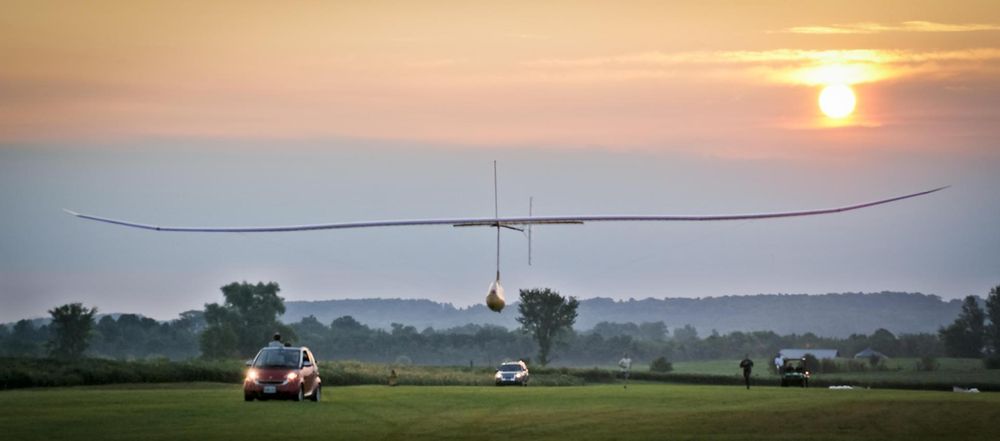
[[829, 315]]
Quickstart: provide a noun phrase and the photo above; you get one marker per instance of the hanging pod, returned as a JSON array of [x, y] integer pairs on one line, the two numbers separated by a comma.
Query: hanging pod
[[495, 300]]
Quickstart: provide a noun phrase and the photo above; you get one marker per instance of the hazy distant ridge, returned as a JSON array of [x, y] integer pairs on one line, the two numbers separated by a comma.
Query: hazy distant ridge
[[834, 315]]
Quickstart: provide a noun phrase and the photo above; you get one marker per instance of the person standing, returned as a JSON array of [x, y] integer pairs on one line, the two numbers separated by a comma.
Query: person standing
[[778, 363], [276, 341], [747, 366], [625, 364]]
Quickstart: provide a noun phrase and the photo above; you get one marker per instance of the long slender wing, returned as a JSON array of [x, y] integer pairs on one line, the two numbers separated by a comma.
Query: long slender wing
[[503, 221]]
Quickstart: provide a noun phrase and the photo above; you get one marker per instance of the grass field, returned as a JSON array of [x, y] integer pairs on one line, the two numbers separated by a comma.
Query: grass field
[[643, 411]]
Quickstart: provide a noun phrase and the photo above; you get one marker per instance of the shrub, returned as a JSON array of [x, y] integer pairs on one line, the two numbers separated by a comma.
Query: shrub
[[927, 363], [812, 363], [661, 365], [874, 360], [856, 366], [992, 362], [828, 366]]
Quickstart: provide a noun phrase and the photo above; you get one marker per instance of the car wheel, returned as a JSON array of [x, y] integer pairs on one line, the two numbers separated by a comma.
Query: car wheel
[[316, 396], [247, 397], [301, 394]]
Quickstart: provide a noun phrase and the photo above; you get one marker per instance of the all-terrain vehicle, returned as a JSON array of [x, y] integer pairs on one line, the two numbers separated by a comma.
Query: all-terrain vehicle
[[794, 373]]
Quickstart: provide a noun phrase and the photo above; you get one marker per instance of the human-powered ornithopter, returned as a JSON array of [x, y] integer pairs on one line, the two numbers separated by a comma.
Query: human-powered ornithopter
[[495, 298]]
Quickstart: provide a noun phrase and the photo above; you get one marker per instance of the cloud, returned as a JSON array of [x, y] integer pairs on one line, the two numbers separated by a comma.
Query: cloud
[[789, 66], [874, 28]]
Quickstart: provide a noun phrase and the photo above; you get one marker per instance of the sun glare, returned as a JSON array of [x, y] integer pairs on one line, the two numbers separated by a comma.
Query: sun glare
[[837, 101]]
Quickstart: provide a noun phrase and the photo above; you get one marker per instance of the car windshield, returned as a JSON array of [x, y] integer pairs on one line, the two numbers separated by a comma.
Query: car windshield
[[277, 358], [510, 368]]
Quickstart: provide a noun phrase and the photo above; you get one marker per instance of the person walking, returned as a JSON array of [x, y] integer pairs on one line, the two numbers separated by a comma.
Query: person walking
[[626, 365], [747, 365]]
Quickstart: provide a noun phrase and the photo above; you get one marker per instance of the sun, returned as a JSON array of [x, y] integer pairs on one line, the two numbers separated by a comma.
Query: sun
[[837, 101]]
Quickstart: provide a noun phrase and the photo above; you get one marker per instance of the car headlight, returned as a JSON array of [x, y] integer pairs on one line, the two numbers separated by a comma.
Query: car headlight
[[252, 374], [497, 375], [291, 376]]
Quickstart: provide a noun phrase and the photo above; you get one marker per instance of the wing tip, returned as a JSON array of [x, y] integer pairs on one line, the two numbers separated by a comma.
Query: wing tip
[[71, 212]]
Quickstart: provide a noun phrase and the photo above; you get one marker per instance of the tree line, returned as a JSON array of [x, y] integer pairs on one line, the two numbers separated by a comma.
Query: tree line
[[248, 317]]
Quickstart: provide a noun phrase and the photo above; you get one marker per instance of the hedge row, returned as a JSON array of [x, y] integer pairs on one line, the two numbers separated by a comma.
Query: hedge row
[[33, 372]]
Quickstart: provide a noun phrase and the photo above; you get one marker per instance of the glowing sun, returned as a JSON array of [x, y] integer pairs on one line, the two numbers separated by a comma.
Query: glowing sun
[[837, 101]]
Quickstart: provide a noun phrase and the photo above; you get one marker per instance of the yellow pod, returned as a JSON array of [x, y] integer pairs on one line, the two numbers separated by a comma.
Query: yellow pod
[[495, 300]]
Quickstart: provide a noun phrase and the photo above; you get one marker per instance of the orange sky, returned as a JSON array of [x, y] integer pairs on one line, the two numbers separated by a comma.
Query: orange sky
[[385, 110], [563, 74]]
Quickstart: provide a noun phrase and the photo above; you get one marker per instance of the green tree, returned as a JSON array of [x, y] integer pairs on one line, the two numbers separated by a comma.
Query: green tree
[[545, 314], [964, 337], [245, 322], [884, 341], [655, 331], [687, 334], [25, 340], [71, 330], [993, 329]]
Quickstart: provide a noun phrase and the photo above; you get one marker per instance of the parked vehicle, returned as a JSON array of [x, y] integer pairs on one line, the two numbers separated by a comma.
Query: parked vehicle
[[512, 372], [794, 373], [283, 373]]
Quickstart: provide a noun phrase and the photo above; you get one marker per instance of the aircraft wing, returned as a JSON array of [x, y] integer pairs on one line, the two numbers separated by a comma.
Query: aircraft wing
[[503, 221]]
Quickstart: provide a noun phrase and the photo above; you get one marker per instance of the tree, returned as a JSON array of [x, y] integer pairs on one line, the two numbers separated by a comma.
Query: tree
[[687, 334], [884, 341], [545, 314], [25, 340], [245, 322], [993, 312], [71, 328], [655, 331], [964, 337]]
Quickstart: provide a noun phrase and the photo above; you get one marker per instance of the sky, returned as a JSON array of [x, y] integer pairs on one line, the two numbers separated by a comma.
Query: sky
[[260, 113]]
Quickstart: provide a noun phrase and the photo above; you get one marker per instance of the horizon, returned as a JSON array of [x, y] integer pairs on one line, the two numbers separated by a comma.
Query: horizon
[[514, 301]]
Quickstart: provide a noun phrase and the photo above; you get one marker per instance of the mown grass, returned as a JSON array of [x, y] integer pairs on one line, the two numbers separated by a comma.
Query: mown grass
[[643, 411]]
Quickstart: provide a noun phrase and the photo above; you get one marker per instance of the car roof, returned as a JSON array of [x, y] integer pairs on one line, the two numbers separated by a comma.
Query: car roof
[[287, 348]]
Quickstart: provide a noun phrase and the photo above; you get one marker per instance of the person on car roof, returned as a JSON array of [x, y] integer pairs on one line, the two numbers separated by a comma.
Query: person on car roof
[[276, 341]]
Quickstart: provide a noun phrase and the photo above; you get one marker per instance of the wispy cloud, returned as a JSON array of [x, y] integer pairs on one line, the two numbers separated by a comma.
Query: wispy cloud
[[906, 26], [780, 65]]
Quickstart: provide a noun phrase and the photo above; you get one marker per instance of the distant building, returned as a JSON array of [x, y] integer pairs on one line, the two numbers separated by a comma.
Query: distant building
[[869, 353], [821, 354]]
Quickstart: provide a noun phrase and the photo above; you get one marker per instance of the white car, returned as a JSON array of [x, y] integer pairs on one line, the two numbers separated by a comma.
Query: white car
[[512, 372]]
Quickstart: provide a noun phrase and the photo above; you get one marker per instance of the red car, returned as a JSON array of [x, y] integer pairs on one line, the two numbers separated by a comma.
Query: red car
[[283, 372]]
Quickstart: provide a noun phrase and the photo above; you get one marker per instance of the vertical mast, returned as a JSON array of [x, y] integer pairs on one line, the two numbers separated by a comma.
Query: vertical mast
[[496, 214]]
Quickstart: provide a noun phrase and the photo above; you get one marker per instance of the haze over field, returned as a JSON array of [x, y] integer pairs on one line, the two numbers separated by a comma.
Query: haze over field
[[829, 315], [261, 113]]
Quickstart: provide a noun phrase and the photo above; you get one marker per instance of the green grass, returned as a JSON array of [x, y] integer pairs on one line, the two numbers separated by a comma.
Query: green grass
[[643, 411]]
